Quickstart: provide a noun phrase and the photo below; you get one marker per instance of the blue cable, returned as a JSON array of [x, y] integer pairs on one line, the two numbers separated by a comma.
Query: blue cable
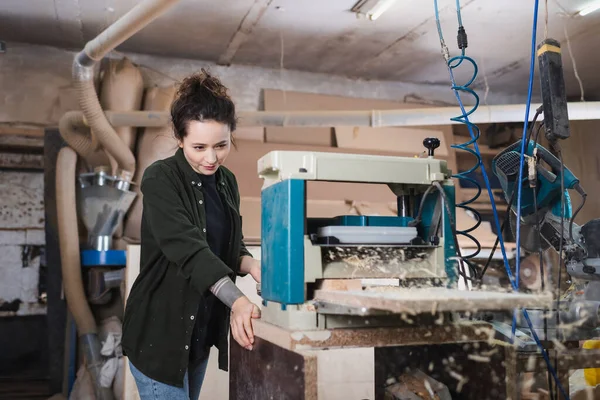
[[524, 138], [464, 118], [519, 187], [458, 13], [545, 355], [522, 157]]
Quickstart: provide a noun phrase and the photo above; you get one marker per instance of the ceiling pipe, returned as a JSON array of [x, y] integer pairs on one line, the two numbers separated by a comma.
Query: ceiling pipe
[[83, 74], [371, 118]]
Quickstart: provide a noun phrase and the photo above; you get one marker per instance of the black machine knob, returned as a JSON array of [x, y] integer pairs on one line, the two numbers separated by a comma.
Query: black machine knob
[[431, 144]]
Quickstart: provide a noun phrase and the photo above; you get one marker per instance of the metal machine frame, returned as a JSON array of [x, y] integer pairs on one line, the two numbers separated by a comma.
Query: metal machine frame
[[291, 259]]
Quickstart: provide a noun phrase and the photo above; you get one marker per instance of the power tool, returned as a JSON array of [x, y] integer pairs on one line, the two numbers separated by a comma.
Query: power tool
[[547, 219]]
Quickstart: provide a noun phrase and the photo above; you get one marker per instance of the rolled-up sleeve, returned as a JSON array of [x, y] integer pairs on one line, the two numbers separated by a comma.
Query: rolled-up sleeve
[[180, 240]]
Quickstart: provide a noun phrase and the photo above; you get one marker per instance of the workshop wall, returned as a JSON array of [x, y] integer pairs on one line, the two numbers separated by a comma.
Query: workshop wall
[[21, 242], [580, 155]]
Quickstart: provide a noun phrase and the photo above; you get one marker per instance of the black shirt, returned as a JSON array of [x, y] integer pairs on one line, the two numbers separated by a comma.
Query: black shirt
[[217, 235], [177, 268]]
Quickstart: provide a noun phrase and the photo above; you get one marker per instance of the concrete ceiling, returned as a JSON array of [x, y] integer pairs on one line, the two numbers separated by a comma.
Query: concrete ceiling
[[325, 36]]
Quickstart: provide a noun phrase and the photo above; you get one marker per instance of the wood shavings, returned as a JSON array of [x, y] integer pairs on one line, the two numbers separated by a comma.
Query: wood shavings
[[490, 353], [478, 358], [461, 380], [366, 261], [558, 345], [434, 308]]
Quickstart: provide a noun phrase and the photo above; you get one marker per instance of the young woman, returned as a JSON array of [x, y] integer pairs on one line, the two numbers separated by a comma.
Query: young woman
[[184, 299]]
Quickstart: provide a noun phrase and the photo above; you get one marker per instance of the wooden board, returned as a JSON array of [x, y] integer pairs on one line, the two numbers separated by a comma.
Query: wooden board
[[243, 163], [269, 370], [407, 140], [431, 300], [361, 366], [132, 270], [298, 339]]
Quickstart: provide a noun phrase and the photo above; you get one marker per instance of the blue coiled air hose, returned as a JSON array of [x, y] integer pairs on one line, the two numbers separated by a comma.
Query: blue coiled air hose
[[474, 132]]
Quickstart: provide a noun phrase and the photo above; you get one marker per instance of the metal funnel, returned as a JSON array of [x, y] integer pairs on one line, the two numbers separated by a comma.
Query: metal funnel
[[102, 202]]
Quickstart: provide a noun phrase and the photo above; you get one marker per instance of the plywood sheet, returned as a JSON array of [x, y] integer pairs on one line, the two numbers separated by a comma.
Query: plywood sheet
[[243, 163], [132, 270], [256, 133], [431, 300], [580, 155], [276, 100], [279, 100], [300, 340]]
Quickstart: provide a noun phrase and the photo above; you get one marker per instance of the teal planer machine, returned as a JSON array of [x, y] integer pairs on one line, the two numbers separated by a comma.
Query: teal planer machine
[[410, 252]]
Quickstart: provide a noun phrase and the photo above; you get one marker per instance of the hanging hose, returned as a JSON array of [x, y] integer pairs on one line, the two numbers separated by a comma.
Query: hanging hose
[[464, 118], [474, 132], [78, 136], [71, 268]]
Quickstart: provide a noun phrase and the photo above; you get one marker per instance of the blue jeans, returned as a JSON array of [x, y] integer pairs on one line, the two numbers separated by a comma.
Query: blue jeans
[[149, 389]]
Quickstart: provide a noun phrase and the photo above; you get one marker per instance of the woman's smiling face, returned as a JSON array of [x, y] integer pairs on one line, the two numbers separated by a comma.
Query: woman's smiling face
[[206, 145]]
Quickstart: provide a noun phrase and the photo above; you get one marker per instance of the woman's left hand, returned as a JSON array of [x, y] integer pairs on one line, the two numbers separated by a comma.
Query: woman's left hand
[[255, 270]]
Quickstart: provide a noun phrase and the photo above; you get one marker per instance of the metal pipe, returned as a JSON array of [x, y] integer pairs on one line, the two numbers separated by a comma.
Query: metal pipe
[[125, 27], [370, 118]]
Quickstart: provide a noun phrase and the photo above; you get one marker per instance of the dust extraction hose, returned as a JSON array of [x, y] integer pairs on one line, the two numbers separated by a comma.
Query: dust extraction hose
[[68, 236], [78, 136], [94, 115]]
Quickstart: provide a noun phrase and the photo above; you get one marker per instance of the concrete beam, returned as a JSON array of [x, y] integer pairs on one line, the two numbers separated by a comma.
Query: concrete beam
[[240, 36]]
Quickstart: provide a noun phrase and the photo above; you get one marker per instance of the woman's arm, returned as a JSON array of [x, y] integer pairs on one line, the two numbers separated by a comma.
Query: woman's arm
[[242, 310], [250, 265]]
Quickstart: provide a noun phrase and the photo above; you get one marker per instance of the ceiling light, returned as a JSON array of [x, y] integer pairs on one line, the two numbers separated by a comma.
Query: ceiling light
[[590, 9], [372, 8]]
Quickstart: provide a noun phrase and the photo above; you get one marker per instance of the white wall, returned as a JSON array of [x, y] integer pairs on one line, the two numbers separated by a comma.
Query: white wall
[[21, 239]]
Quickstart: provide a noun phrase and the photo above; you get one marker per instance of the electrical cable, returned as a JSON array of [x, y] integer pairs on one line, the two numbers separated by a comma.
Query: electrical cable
[[417, 219], [542, 277], [541, 260], [461, 259], [560, 245], [522, 157], [474, 132], [502, 227], [510, 202], [523, 140], [465, 120], [583, 198], [454, 234]]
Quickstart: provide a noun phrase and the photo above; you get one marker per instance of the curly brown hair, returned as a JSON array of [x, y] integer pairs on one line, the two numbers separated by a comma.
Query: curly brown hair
[[201, 97]]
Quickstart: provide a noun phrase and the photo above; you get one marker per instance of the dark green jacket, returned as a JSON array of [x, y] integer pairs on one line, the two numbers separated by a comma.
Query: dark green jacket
[[177, 268]]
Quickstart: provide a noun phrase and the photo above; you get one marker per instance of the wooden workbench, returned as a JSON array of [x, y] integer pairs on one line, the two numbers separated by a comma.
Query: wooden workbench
[[359, 363]]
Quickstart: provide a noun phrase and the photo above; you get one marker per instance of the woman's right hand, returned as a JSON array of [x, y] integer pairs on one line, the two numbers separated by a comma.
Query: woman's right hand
[[242, 312]]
